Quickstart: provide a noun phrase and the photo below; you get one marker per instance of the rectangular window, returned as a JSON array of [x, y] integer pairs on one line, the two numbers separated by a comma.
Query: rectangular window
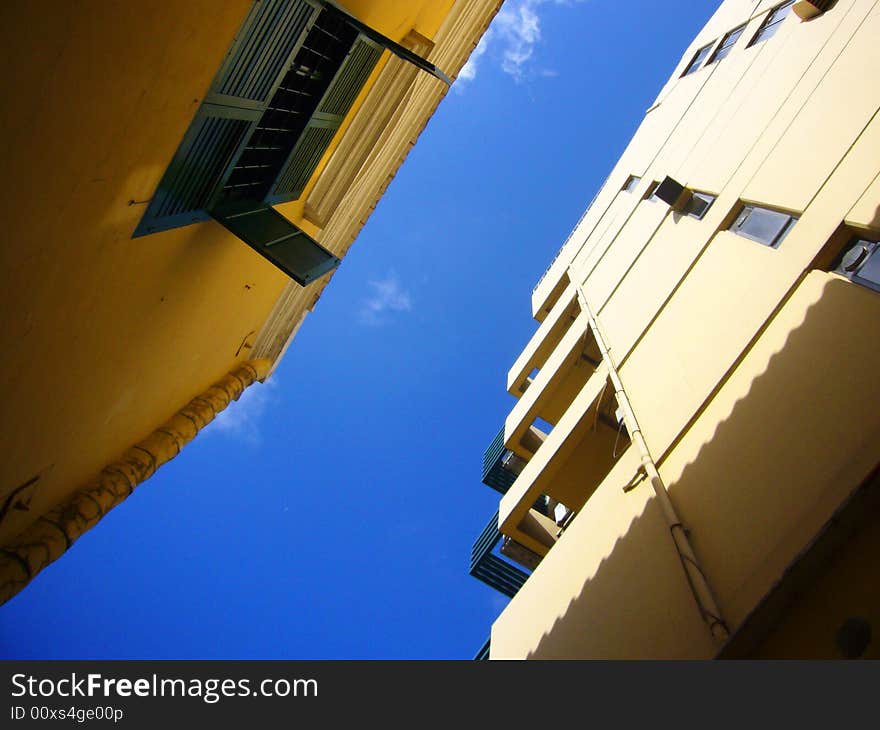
[[698, 59], [651, 192], [772, 22], [727, 44], [631, 183], [860, 262], [763, 225], [698, 205]]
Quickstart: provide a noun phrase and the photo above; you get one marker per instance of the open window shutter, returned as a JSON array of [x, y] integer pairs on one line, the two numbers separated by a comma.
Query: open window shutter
[[398, 50], [277, 239], [323, 124], [258, 58], [186, 188]]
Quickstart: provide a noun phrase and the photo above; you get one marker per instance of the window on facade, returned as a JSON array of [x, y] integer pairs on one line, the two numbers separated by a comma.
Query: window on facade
[[631, 183], [727, 44], [272, 111], [698, 59], [763, 225], [651, 193], [698, 205], [860, 262], [772, 22]]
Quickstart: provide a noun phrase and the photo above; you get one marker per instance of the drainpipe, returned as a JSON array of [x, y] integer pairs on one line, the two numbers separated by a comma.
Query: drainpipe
[[702, 593], [51, 535]]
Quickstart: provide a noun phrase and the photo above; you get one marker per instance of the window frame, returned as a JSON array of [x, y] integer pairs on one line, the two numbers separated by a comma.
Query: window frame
[[771, 21], [873, 244], [632, 182], [707, 198], [736, 224], [698, 58], [722, 51], [651, 193]]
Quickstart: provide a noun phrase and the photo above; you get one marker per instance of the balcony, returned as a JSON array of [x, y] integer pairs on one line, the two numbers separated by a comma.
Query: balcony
[[546, 338], [550, 287], [568, 466], [566, 370], [490, 564], [500, 465]]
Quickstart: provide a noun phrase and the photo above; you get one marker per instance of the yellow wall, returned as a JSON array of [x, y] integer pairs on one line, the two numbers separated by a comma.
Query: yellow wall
[[395, 19], [106, 336]]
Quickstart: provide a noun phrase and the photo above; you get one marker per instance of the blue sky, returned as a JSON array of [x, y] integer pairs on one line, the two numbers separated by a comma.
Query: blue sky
[[330, 513]]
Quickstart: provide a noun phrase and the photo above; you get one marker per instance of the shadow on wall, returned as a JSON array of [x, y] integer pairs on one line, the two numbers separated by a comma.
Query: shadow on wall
[[634, 606], [791, 433]]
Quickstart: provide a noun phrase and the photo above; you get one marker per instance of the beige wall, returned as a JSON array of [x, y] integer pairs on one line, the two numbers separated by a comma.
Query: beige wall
[[612, 587], [839, 593], [751, 372]]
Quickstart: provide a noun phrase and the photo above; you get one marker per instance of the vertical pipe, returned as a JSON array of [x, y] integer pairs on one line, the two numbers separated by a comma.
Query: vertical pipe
[[699, 585]]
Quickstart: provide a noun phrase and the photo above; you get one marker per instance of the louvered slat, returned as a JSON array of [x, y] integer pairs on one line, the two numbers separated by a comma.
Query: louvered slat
[[492, 570], [334, 105], [277, 239], [499, 575], [257, 60], [260, 54], [194, 173], [495, 474], [483, 653], [311, 146], [351, 78]]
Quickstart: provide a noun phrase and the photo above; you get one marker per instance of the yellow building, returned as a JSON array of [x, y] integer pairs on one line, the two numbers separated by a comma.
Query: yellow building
[[691, 464], [180, 180]]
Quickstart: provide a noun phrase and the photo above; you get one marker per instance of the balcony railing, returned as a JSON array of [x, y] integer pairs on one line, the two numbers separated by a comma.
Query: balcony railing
[[491, 569], [576, 456], [549, 395], [570, 236], [500, 466], [483, 653]]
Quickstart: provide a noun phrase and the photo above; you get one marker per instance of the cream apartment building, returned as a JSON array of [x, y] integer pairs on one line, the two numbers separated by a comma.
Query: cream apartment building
[[690, 467]]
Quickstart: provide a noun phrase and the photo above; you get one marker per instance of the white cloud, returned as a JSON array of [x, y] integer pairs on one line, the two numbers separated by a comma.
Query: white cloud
[[513, 36], [388, 296], [469, 70], [520, 29], [242, 418]]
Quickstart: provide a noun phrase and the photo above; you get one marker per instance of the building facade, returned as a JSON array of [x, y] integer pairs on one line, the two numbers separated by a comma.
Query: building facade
[[180, 181], [690, 467]]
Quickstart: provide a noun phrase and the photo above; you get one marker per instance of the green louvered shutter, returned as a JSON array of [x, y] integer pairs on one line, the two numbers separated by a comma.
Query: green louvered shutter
[[323, 124], [277, 239], [398, 50], [269, 37]]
